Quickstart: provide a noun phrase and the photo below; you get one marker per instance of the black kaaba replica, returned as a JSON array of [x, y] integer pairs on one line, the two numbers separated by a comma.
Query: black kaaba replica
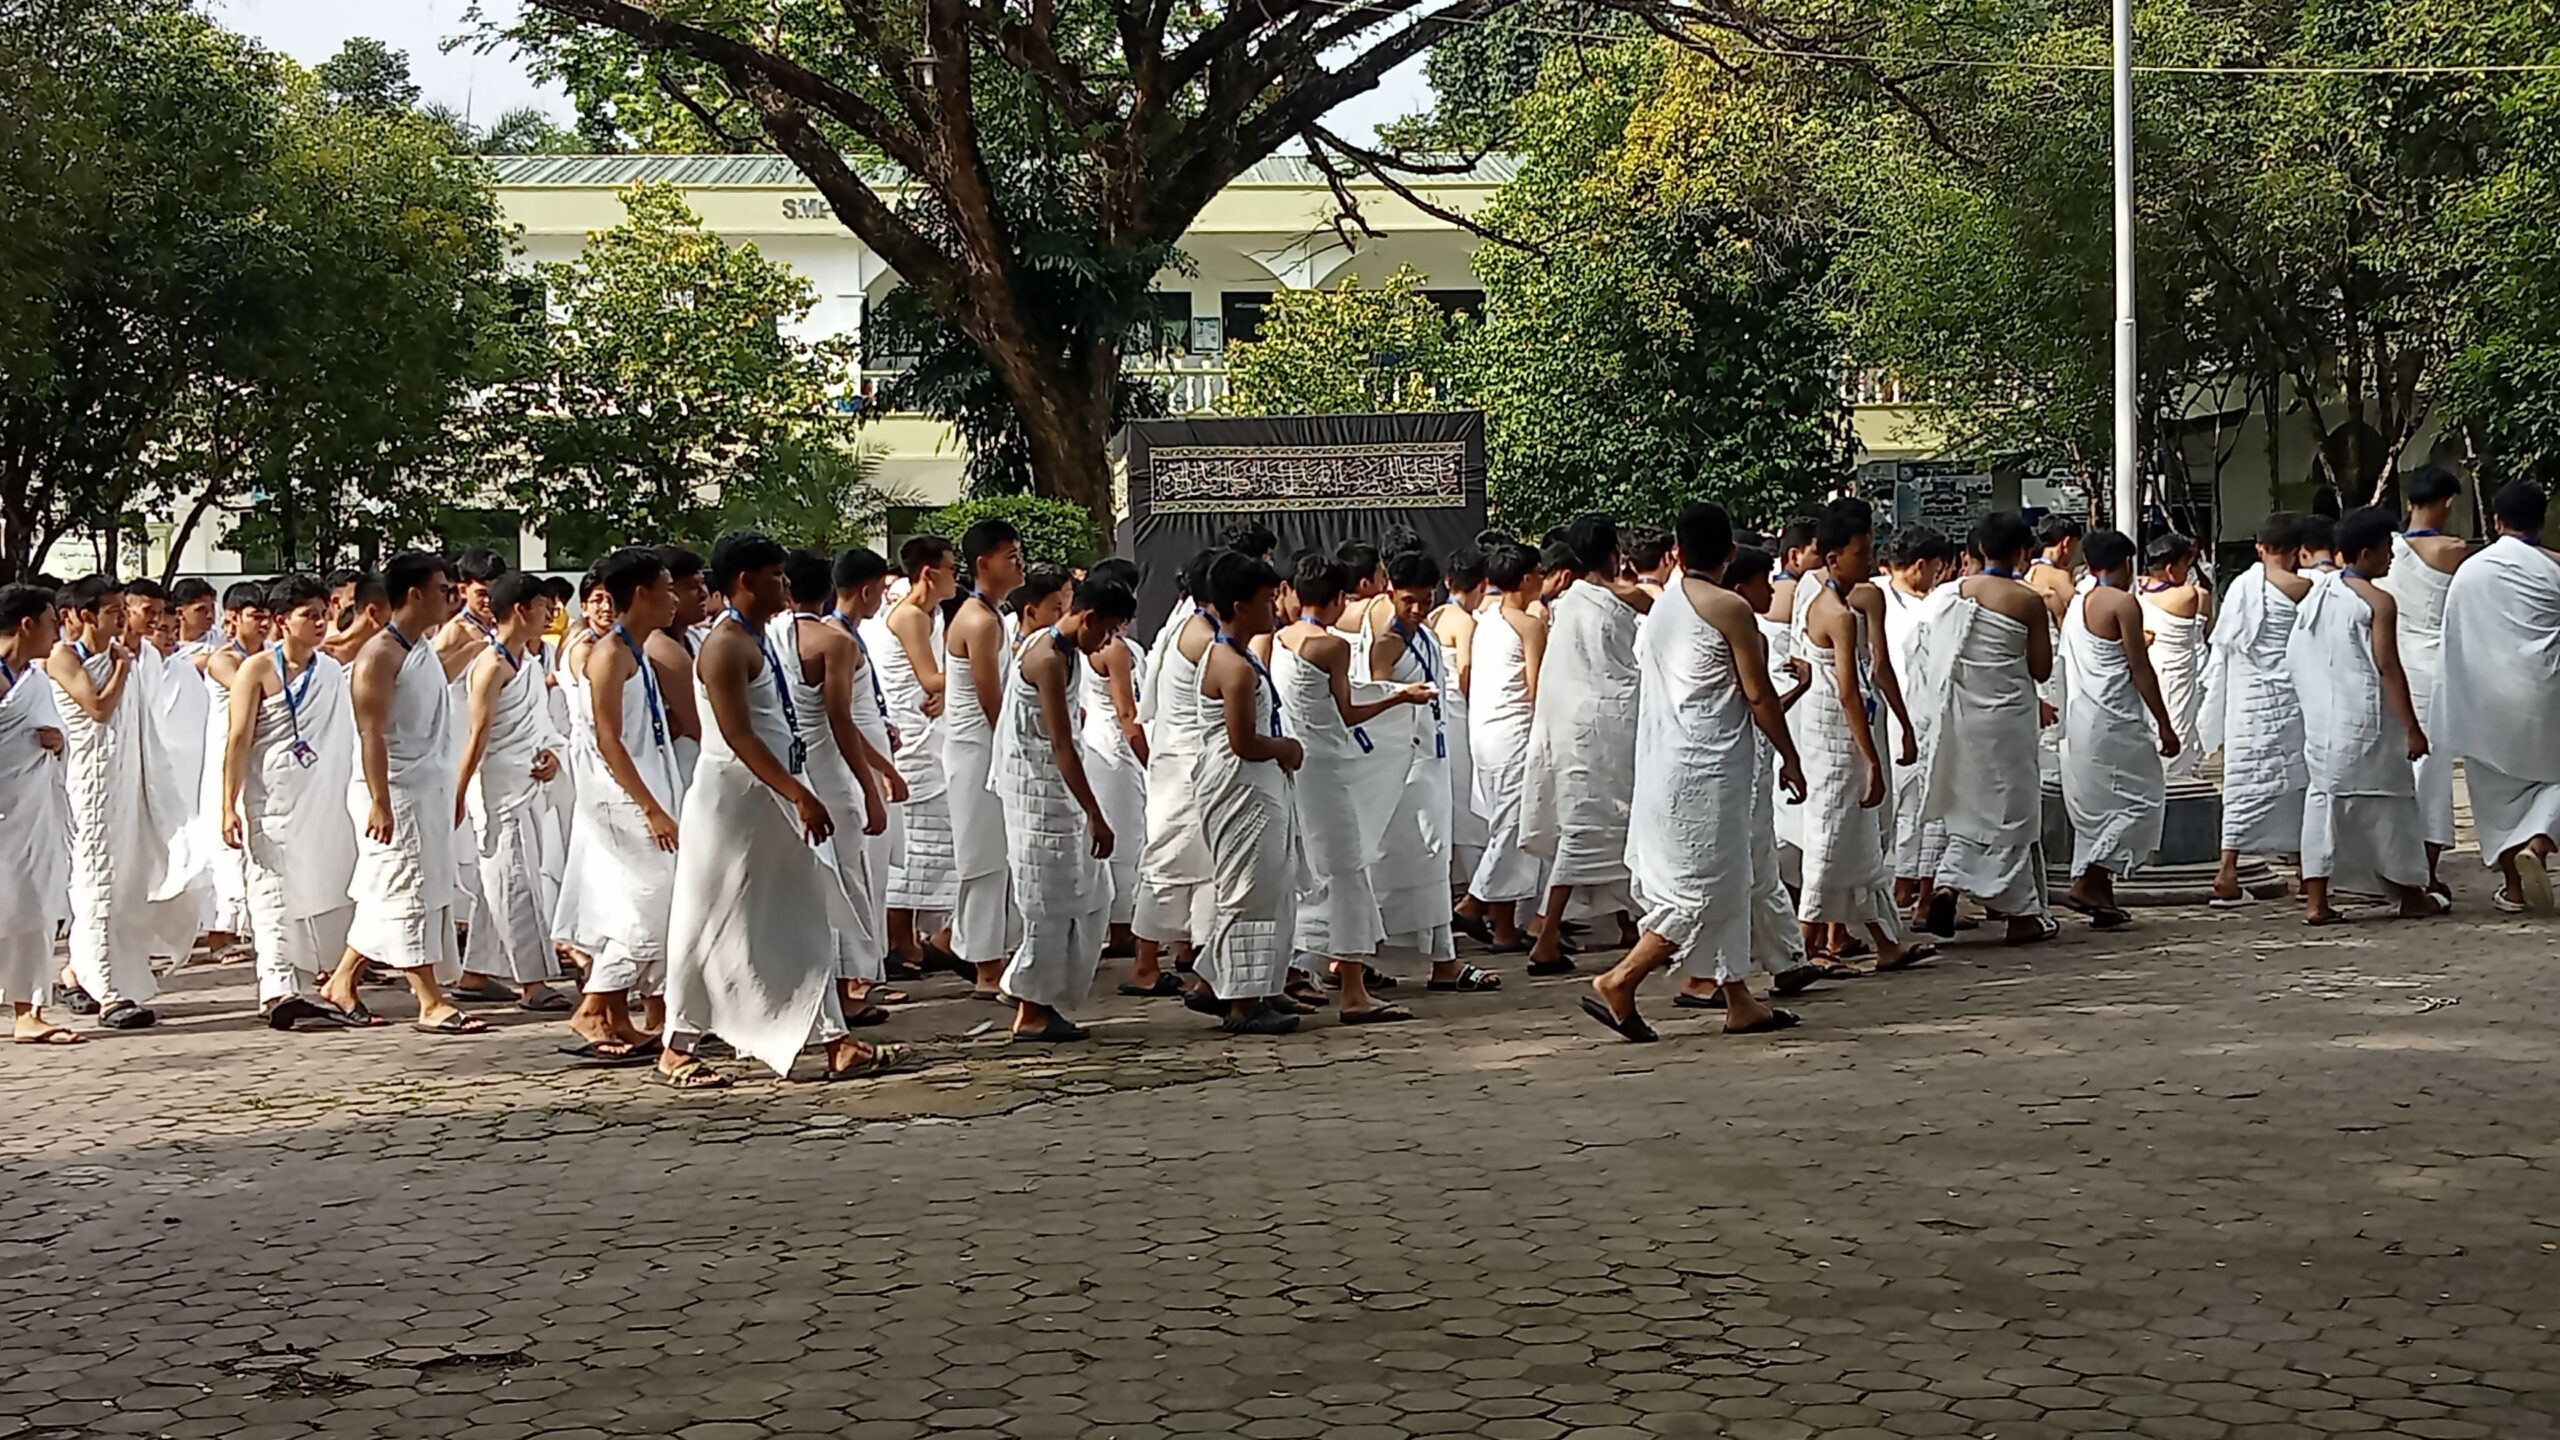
[[1316, 480]]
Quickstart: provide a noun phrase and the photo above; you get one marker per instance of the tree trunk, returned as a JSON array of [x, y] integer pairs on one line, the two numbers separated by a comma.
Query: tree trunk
[[1069, 460], [185, 532]]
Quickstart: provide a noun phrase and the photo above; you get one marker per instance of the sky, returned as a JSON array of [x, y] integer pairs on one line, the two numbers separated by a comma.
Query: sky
[[484, 85]]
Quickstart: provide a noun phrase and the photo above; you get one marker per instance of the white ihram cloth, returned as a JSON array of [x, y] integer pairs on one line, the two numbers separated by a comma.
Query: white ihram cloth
[[1689, 845], [35, 839], [2112, 782], [2253, 717], [922, 878], [1912, 636], [1846, 878], [2420, 590], [2178, 646], [2053, 690], [1777, 941], [1787, 643], [2360, 828], [405, 891], [1415, 850], [1064, 892], [1498, 726], [1173, 863], [882, 853], [517, 855], [617, 887], [985, 923], [861, 949], [124, 909], [1249, 821], [299, 844], [2502, 689], [1467, 830], [1786, 819], [1342, 807], [206, 706], [1119, 782], [1581, 779], [1985, 784], [748, 956]]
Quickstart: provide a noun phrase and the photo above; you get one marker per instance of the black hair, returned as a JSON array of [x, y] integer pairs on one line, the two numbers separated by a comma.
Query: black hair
[[91, 591], [986, 538], [2431, 485], [858, 567], [192, 589], [2281, 530], [1647, 546], [2320, 532], [1253, 538], [1319, 579], [682, 564], [559, 589], [1397, 540], [737, 553], [2055, 528], [1105, 598], [369, 591], [590, 583], [292, 592], [2107, 549], [514, 590], [626, 573], [1359, 557], [1412, 570], [2003, 535], [1842, 522], [1038, 584], [242, 595], [21, 603], [1594, 541], [1119, 570], [1918, 544], [143, 587], [1234, 578], [1510, 566], [405, 572], [1749, 563], [1465, 569], [1800, 532], [1489, 539], [1557, 556], [922, 553], [2363, 528], [809, 577], [2520, 505], [479, 565], [1195, 576], [336, 578], [2168, 548], [1706, 534]]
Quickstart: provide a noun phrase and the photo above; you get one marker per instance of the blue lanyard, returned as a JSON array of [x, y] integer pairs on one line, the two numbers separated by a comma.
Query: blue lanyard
[[487, 631], [1430, 676], [2420, 534], [648, 687], [2000, 570], [773, 666], [879, 696], [504, 653], [2353, 573], [394, 632], [83, 651], [11, 675], [1259, 669], [293, 698], [1359, 733]]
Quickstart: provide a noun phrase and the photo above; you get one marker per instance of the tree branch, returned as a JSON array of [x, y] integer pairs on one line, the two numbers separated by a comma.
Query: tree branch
[[1378, 164]]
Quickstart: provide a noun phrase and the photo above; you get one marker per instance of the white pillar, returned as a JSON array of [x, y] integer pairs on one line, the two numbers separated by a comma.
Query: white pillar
[[2128, 457]]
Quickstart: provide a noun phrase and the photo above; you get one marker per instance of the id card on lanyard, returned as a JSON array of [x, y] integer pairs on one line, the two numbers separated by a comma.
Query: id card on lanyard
[[798, 758]]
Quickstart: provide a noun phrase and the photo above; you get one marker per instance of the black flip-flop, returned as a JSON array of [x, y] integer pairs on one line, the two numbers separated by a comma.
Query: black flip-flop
[[895, 967], [1941, 917], [360, 1018], [125, 1015], [1376, 1015], [1778, 1020], [1059, 1031], [865, 1017], [1474, 927], [456, 1023], [1469, 981], [1379, 979], [1509, 947], [1633, 1030], [592, 1056], [292, 1010], [77, 1000], [937, 958], [549, 1002], [1166, 984], [2108, 917], [499, 995], [1911, 958], [1796, 979], [2047, 928], [1712, 1000], [1544, 968]]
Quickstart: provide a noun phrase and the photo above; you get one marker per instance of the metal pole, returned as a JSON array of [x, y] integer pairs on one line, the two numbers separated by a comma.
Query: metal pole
[[2128, 459]]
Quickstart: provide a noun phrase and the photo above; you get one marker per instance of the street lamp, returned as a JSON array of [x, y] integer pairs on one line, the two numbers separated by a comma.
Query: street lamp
[[2128, 457]]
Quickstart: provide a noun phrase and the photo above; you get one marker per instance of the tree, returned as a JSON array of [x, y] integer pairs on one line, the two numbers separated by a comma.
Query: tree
[[1130, 114], [368, 75], [1349, 349], [814, 489], [669, 373], [1054, 532]]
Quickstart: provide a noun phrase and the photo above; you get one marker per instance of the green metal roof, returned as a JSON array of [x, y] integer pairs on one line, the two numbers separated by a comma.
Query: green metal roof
[[773, 172]]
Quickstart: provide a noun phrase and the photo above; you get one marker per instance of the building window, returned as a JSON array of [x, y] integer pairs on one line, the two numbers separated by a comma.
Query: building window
[[1172, 333], [1457, 302], [1241, 310]]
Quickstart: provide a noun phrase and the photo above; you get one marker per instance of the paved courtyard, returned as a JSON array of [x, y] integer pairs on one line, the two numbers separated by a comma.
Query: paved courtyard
[[2221, 1177]]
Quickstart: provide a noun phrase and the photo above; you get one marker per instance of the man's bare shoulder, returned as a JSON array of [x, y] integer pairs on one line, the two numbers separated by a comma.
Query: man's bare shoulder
[[1716, 605]]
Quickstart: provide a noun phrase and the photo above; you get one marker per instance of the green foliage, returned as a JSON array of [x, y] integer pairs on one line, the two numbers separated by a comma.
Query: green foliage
[[368, 75], [1056, 532], [812, 489], [1350, 349], [669, 373], [1480, 73]]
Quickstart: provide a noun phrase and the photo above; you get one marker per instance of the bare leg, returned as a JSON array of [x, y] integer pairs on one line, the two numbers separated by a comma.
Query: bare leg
[[902, 936], [2226, 881], [434, 1009], [2315, 901], [1148, 967], [990, 978], [340, 988], [1549, 949], [1506, 922], [1617, 985]]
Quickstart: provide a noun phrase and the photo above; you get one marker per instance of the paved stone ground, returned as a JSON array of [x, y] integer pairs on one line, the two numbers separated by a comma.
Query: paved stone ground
[[2222, 1177]]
